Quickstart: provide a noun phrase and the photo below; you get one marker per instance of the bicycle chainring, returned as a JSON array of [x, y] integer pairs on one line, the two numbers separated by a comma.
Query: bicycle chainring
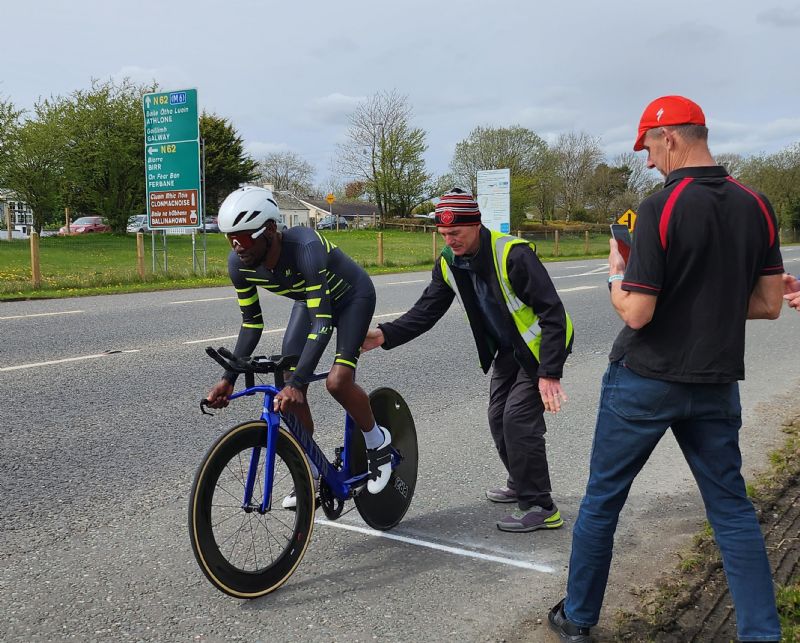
[[330, 504]]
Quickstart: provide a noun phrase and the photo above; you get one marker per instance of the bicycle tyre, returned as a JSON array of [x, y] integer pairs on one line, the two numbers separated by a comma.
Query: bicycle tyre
[[385, 509], [246, 554]]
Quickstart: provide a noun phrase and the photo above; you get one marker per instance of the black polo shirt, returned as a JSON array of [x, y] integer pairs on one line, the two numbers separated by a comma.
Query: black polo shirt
[[700, 246]]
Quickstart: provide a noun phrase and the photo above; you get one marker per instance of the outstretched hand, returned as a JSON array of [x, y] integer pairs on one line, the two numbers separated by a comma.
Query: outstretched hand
[[552, 394], [791, 291], [373, 339]]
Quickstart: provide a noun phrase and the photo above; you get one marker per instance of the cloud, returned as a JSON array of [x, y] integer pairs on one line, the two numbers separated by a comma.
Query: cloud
[[168, 78], [752, 138], [259, 149], [333, 109], [781, 17]]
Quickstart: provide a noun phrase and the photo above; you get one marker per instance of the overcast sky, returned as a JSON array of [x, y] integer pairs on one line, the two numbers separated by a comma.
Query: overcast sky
[[287, 74]]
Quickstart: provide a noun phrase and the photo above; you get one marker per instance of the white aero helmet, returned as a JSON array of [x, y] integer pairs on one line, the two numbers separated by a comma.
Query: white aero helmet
[[247, 208]]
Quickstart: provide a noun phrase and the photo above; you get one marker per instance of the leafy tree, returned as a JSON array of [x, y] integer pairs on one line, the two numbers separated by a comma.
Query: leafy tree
[[354, 189], [35, 169], [385, 152], [778, 176], [104, 169], [733, 163], [641, 179], [577, 155], [287, 171], [9, 122], [227, 165], [602, 188]]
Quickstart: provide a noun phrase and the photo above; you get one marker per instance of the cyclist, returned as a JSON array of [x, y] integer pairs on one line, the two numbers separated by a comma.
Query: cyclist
[[329, 290]]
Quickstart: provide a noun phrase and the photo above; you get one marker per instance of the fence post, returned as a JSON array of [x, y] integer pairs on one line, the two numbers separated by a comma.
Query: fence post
[[555, 244], [380, 248], [66, 218], [586, 242], [8, 223], [519, 233], [140, 254], [36, 270], [433, 235]]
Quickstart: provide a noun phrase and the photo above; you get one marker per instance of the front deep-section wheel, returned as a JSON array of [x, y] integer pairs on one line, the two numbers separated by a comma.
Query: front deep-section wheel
[[243, 552], [385, 509]]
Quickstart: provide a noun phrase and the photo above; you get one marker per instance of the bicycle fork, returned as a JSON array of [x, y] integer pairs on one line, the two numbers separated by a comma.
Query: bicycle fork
[[273, 426]]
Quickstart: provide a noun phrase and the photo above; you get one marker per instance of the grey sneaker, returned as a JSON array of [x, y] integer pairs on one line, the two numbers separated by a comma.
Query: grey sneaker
[[531, 520], [503, 494], [567, 630]]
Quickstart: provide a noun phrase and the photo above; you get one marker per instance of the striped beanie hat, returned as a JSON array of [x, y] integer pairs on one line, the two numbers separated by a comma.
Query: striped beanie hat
[[457, 207]]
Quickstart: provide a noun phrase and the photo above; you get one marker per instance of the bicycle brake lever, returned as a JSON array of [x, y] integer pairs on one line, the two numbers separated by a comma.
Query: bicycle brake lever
[[204, 403]]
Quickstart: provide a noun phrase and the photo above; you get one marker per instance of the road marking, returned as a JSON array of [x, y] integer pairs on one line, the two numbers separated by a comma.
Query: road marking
[[577, 288], [63, 312], [413, 281], [446, 548], [388, 315], [216, 339], [62, 361], [596, 271], [195, 301]]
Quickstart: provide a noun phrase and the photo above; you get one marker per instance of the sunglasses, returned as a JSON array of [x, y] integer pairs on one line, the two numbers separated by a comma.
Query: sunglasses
[[245, 240]]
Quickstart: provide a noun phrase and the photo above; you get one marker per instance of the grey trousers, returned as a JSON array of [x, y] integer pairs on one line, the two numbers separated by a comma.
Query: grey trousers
[[516, 420]]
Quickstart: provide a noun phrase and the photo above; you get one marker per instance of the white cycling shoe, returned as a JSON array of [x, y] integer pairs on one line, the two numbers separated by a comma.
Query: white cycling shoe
[[290, 501], [379, 462]]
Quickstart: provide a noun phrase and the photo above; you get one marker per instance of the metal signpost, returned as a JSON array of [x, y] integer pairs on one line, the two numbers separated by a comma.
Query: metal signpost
[[172, 162], [494, 199]]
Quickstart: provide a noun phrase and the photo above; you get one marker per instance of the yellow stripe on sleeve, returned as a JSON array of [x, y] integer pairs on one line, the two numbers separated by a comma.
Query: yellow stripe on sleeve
[[310, 288], [339, 360], [313, 303], [312, 336]]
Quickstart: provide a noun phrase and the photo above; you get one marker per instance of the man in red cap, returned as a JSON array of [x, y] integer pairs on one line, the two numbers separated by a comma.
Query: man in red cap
[[705, 259], [520, 329]]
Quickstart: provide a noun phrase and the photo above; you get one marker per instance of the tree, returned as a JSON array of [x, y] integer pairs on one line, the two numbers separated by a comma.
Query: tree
[[34, 170], [778, 176], [641, 179], [227, 165], [603, 187], [287, 171], [577, 155], [385, 152], [733, 163], [354, 189], [9, 122], [104, 169], [494, 148]]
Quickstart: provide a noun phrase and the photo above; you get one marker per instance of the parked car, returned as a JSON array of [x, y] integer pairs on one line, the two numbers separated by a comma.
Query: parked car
[[329, 223], [84, 225], [138, 223], [212, 225]]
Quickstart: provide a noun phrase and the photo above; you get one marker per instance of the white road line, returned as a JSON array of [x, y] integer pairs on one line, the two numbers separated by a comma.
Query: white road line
[[63, 312], [413, 281], [389, 315], [596, 271], [216, 339], [450, 550], [577, 288], [195, 301], [62, 361]]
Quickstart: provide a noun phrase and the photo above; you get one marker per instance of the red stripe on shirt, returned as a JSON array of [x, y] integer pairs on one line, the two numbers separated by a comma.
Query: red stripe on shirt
[[635, 285], [666, 213], [763, 207]]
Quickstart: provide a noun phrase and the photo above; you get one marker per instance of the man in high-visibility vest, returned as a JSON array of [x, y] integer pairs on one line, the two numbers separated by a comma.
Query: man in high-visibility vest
[[521, 330]]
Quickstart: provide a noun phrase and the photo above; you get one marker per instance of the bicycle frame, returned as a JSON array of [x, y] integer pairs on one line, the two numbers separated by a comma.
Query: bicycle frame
[[339, 481]]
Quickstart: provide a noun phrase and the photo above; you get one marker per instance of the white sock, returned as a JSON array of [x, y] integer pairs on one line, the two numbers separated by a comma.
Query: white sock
[[374, 437]]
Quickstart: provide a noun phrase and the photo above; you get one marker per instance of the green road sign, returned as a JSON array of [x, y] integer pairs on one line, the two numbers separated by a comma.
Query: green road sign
[[172, 159]]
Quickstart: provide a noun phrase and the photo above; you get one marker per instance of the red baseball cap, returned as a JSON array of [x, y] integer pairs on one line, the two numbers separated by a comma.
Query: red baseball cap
[[668, 110]]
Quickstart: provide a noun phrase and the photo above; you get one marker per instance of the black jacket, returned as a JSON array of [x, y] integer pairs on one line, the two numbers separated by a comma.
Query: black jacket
[[530, 283]]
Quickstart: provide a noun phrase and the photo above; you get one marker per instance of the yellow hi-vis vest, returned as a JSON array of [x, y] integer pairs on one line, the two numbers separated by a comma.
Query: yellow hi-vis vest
[[525, 319]]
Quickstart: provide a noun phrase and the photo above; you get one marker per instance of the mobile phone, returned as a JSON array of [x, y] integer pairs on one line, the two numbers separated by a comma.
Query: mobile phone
[[623, 237]]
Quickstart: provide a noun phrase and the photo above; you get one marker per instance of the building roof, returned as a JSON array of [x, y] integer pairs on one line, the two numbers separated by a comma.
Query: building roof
[[346, 208], [288, 201]]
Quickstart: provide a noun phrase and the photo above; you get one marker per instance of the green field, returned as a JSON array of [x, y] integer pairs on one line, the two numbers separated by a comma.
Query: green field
[[104, 263]]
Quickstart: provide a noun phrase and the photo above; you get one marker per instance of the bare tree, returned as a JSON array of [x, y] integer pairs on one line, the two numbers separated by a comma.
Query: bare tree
[[385, 152], [641, 179], [577, 156], [733, 163], [287, 171]]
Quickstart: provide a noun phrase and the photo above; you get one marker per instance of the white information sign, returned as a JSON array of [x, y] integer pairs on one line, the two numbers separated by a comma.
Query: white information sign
[[494, 199]]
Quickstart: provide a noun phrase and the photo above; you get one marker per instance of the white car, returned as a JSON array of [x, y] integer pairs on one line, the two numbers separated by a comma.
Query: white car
[[138, 223]]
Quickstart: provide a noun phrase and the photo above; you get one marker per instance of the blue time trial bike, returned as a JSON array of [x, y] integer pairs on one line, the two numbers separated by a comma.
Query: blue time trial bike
[[246, 544]]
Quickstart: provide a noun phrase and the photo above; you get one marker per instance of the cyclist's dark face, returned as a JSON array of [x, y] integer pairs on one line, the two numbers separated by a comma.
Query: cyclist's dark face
[[251, 247]]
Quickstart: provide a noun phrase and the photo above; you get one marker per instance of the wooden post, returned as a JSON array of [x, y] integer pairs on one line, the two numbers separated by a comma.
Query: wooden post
[[555, 243], [433, 236], [66, 218], [380, 248], [140, 254], [8, 222], [36, 270], [586, 242], [519, 233]]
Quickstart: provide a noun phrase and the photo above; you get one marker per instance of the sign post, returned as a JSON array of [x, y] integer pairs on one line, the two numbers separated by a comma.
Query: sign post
[[494, 199], [172, 159], [330, 199]]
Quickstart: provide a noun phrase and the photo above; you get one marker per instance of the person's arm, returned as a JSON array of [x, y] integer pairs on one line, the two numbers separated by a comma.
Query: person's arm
[[311, 263], [635, 308], [766, 298], [423, 315], [533, 286]]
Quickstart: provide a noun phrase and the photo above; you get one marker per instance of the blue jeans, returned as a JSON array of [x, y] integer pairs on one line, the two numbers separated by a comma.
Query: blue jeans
[[634, 414]]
